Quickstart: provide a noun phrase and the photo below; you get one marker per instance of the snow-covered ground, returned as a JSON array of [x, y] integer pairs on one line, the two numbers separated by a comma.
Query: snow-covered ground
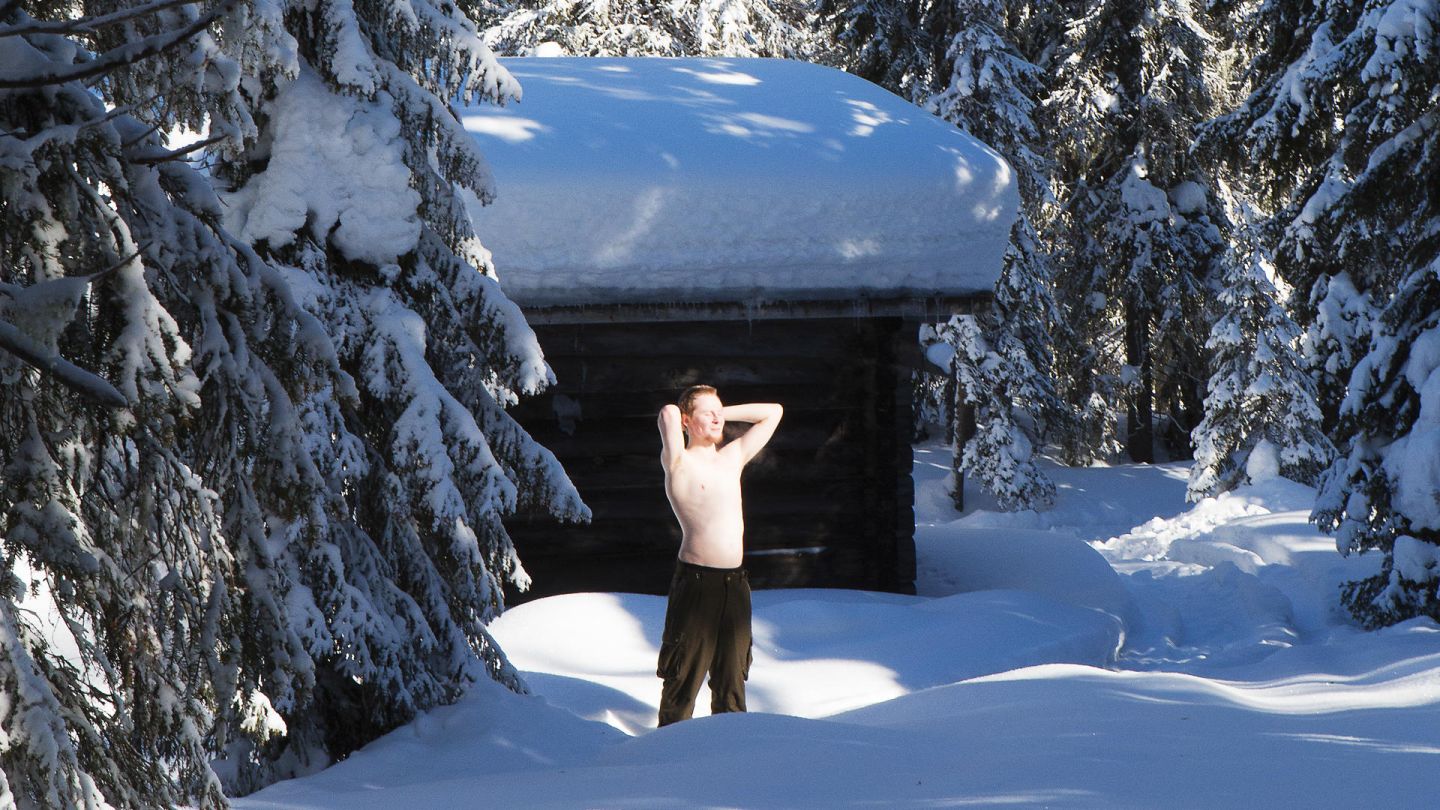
[[1124, 649]]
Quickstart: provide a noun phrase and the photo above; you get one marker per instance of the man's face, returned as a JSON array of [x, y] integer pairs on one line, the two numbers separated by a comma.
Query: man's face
[[705, 418]]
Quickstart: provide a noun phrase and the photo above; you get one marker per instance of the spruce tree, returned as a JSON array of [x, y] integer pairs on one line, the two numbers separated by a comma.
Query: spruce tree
[[123, 606], [992, 94], [898, 44], [287, 539], [1259, 390], [990, 380], [1287, 157], [1337, 145], [1380, 495], [357, 188], [1141, 225], [1372, 225]]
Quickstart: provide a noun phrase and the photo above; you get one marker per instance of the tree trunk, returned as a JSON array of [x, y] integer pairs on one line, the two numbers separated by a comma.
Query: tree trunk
[[964, 431], [959, 430], [1140, 427]]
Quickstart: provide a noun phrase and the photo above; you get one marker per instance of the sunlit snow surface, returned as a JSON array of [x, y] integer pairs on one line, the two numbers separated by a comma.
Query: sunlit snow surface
[[1124, 649], [655, 179]]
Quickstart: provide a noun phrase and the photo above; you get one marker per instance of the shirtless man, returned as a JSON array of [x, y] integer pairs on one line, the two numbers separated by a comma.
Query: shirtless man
[[707, 620]]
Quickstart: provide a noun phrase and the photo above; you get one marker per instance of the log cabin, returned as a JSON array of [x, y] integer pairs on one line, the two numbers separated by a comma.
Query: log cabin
[[773, 228]]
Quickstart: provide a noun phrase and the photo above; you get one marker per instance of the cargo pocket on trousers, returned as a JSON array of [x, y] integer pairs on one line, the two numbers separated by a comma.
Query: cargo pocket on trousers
[[749, 659], [669, 657]]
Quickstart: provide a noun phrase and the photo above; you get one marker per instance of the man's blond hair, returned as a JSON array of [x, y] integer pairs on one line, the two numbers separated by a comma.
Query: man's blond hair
[[687, 399]]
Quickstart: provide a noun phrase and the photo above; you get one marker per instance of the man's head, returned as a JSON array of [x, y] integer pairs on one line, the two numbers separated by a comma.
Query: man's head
[[701, 414]]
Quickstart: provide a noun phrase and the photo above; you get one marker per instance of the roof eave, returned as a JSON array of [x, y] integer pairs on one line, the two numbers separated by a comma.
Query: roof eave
[[921, 308]]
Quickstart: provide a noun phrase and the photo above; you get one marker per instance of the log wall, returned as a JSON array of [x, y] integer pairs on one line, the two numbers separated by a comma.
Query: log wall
[[827, 504]]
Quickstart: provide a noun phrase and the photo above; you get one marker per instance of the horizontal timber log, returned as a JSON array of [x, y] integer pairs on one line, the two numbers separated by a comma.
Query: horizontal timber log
[[801, 402], [678, 372], [650, 572], [705, 339], [620, 437], [798, 506], [578, 541], [914, 307]]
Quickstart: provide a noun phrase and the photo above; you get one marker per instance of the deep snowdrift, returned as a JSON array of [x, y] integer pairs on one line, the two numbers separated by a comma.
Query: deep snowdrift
[[1204, 666]]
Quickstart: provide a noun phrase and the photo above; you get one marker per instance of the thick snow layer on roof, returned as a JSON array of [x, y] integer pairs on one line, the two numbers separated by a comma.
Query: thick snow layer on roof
[[642, 180]]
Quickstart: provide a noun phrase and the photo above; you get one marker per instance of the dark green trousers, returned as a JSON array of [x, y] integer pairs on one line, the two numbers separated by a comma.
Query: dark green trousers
[[707, 629]]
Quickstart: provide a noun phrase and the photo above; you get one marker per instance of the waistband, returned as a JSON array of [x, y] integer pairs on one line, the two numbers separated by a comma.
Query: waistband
[[705, 570]]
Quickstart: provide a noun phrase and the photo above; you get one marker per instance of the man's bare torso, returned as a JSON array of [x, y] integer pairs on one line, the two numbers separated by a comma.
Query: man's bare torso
[[702, 478], [704, 491]]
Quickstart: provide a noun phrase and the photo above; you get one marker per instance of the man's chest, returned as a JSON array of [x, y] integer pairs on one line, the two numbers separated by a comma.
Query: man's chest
[[706, 483]]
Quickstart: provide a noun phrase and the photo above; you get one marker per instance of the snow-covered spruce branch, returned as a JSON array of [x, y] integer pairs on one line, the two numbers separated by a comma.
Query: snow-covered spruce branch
[[460, 158], [127, 54], [67, 134], [178, 154], [15, 291], [104, 213], [87, 384], [476, 75], [88, 25]]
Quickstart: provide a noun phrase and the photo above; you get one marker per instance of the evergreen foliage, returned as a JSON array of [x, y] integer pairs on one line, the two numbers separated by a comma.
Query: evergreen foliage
[[992, 382], [898, 44], [992, 94], [1380, 496], [1259, 391], [1337, 144], [287, 539], [1134, 79], [357, 190], [1370, 232], [774, 28], [115, 524]]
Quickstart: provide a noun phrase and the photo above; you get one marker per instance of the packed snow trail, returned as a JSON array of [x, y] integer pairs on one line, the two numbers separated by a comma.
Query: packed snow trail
[[1124, 649]]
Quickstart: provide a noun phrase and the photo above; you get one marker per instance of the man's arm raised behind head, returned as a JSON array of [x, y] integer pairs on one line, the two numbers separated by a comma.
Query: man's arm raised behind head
[[672, 436], [763, 417]]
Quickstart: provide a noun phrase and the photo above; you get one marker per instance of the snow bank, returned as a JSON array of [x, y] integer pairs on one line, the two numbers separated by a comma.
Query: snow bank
[[1091, 503], [736, 179], [1233, 579], [1055, 735], [1238, 686], [1055, 565], [491, 731], [817, 652], [1215, 532]]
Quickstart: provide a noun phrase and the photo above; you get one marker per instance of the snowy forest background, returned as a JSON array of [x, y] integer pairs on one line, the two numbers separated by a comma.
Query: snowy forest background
[[253, 444]]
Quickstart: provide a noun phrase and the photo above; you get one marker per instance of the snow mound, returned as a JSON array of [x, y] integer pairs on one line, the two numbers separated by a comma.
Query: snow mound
[[817, 652], [958, 560], [1214, 530], [1091, 503], [1236, 686]]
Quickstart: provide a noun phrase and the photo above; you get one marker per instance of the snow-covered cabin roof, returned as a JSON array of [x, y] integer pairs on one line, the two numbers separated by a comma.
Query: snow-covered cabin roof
[[649, 180]]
